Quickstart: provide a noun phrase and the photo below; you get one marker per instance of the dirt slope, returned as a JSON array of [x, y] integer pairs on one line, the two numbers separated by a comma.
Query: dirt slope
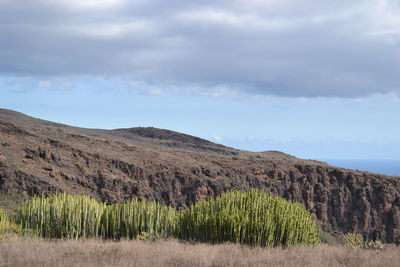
[[38, 157]]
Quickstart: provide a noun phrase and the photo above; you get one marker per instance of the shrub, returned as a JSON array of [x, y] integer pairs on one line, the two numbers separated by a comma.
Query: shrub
[[3, 215], [253, 217], [326, 237], [143, 236], [376, 244], [9, 229], [30, 233], [354, 240]]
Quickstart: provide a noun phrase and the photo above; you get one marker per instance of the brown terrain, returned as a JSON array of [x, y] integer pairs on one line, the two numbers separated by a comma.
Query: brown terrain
[[41, 157], [99, 253]]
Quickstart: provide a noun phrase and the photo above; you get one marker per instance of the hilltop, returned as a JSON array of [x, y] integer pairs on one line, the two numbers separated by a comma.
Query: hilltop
[[42, 157]]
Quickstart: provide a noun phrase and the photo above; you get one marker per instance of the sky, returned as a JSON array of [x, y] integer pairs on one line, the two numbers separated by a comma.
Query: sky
[[315, 79]]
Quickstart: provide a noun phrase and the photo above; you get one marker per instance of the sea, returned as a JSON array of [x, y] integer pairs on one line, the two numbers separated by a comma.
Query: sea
[[387, 167]]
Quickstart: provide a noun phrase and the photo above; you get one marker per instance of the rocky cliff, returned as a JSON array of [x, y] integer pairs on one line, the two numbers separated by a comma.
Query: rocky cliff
[[38, 157]]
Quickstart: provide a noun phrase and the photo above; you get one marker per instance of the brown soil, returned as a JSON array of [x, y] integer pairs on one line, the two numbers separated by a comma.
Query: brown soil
[[40, 157], [173, 253]]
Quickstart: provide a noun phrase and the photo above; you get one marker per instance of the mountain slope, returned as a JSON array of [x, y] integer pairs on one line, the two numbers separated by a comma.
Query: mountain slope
[[38, 157]]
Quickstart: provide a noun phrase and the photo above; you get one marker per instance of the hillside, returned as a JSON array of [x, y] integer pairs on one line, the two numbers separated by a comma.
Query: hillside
[[38, 156]]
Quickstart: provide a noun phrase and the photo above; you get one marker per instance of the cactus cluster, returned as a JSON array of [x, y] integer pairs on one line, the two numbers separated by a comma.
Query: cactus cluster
[[61, 216], [134, 217], [253, 217], [246, 217]]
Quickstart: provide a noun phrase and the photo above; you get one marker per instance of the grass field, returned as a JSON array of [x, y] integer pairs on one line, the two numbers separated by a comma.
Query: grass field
[[42, 232], [97, 252]]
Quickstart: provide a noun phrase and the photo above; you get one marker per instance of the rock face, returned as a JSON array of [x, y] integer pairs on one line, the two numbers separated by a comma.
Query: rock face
[[40, 157]]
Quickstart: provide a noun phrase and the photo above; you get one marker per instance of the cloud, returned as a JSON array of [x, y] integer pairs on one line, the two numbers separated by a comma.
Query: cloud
[[154, 91], [217, 138], [308, 48], [44, 84], [88, 4]]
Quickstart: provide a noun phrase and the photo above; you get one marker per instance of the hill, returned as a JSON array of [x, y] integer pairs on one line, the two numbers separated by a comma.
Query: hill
[[42, 157]]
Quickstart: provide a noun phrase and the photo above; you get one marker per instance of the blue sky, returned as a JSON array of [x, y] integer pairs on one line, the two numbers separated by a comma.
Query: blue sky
[[318, 79]]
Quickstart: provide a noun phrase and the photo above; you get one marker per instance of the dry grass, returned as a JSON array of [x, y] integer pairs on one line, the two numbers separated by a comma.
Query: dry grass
[[92, 252]]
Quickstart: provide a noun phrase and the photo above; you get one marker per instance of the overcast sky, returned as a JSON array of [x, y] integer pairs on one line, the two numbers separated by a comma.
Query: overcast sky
[[317, 79]]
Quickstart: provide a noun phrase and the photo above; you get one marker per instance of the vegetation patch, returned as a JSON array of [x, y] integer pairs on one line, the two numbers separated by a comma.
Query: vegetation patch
[[244, 217], [3, 215], [354, 240], [8, 229], [138, 219], [61, 216], [253, 217]]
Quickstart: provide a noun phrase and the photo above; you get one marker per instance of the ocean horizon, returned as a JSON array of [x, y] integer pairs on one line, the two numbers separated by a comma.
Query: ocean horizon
[[386, 167]]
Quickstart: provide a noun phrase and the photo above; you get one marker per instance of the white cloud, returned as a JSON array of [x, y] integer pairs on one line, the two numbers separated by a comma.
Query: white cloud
[[110, 30], [44, 84], [90, 4], [217, 138], [222, 17], [154, 91], [305, 48]]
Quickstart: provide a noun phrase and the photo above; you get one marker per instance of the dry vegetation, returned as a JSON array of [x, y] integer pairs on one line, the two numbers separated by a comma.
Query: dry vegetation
[[92, 252]]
